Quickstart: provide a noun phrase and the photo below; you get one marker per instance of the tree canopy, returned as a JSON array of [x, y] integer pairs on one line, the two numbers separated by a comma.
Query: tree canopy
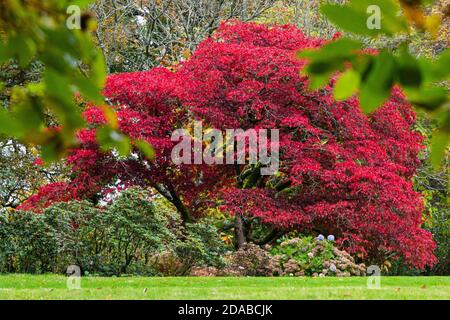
[[342, 172]]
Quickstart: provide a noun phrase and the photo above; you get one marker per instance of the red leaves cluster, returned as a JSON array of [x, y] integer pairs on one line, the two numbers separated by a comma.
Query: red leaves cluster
[[344, 173]]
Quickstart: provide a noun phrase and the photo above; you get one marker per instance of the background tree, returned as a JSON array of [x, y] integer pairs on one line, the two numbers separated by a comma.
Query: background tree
[[20, 176], [138, 35], [21, 173], [130, 36]]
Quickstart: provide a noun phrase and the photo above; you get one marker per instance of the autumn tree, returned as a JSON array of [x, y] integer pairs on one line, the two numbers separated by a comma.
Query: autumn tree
[[341, 172]]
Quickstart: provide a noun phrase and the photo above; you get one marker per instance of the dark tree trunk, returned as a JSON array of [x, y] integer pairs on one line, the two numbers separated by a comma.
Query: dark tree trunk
[[170, 194], [239, 226], [239, 232], [185, 215]]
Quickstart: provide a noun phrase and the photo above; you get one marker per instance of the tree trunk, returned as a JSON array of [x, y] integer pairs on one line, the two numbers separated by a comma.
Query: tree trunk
[[239, 232], [185, 215], [170, 194]]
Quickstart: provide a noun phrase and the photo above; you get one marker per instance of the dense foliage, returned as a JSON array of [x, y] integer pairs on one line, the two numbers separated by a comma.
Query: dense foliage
[[135, 234], [372, 77], [313, 256], [342, 172], [291, 255], [39, 33]]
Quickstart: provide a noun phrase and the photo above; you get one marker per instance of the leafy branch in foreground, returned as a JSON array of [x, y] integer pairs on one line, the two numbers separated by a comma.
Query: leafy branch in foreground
[[42, 31], [372, 75]]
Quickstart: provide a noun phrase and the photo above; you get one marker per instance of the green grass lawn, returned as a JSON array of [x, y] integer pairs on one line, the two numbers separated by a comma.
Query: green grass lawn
[[55, 287]]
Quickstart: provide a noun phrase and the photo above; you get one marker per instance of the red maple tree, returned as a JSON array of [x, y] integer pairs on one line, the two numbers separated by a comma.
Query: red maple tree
[[341, 172]]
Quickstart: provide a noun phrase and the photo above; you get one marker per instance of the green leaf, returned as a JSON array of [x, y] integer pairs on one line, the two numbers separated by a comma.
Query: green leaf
[[89, 90], [439, 142], [316, 82], [327, 60], [436, 70], [63, 4], [52, 60], [29, 114], [355, 17], [8, 124], [409, 72], [110, 139], [98, 70], [376, 89], [51, 151], [110, 116], [443, 61], [145, 148], [61, 100], [343, 47], [346, 85], [24, 49], [318, 67], [63, 40], [429, 98], [347, 19]]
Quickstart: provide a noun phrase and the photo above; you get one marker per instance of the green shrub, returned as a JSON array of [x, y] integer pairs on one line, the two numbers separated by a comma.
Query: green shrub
[[125, 237], [439, 225], [27, 243], [203, 244], [305, 252], [298, 256]]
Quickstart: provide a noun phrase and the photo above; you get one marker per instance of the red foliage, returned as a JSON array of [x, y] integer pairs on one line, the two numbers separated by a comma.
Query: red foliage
[[342, 172], [48, 194]]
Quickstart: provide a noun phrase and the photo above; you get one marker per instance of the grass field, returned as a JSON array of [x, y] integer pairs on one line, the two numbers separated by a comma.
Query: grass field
[[55, 287]]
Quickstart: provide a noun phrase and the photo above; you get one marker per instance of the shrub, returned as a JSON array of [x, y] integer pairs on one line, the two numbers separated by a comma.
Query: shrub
[[205, 246], [199, 245], [134, 230], [27, 243], [307, 252], [135, 234], [312, 256], [291, 256], [439, 226], [249, 260]]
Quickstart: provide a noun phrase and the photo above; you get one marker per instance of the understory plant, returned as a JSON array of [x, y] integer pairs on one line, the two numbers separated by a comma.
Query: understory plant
[[314, 256], [127, 236], [304, 251]]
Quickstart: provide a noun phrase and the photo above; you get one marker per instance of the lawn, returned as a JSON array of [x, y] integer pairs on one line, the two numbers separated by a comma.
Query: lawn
[[55, 287]]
